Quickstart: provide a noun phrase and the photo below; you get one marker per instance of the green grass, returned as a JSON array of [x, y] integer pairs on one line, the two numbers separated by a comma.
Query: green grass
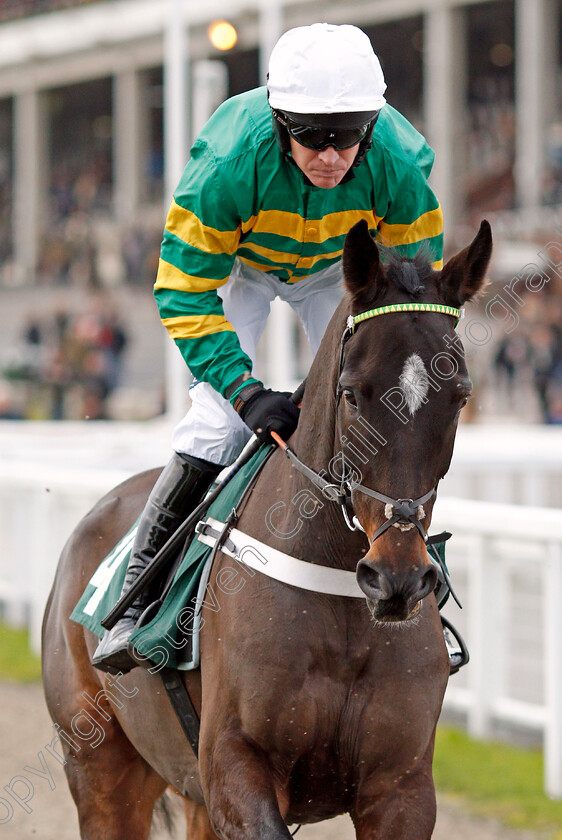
[[17, 663], [496, 780]]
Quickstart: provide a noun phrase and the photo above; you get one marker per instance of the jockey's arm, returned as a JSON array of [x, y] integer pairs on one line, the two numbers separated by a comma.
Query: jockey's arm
[[201, 237]]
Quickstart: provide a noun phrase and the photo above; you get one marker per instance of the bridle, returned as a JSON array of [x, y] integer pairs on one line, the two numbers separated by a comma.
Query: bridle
[[401, 513]]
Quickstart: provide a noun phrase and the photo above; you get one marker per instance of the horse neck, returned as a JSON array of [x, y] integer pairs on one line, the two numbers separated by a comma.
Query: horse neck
[[316, 440]]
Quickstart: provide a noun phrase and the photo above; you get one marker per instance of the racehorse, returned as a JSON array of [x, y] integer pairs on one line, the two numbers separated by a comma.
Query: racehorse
[[311, 704]]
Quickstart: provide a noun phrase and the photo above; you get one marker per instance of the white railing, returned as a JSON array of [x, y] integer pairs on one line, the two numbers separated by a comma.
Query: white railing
[[505, 560], [506, 566], [39, 508], [513, 463]]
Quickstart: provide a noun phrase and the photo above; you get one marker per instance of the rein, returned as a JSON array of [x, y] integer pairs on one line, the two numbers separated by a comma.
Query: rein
[[402, 513]]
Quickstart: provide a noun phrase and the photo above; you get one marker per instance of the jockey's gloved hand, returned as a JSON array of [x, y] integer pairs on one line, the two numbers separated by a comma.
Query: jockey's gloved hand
[[266, 411]]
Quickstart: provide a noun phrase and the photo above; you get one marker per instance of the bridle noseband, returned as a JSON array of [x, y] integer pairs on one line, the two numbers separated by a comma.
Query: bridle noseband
[[399, 512], [405, 513]]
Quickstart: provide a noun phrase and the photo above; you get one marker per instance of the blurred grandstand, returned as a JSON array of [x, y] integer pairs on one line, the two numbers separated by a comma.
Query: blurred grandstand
[[83, 188], [13, 9]]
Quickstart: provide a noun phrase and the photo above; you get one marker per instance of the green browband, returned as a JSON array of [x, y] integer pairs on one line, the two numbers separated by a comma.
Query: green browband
[[353, 320]]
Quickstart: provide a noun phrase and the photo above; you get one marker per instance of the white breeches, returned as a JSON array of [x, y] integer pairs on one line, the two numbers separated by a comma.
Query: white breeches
[[211, 429]]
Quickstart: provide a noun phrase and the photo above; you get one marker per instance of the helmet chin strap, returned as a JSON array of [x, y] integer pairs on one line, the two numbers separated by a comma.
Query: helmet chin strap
[[282, 137], [364, 145]]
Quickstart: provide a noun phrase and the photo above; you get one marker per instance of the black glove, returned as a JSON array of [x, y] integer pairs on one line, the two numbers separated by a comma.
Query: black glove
[[266, 411]]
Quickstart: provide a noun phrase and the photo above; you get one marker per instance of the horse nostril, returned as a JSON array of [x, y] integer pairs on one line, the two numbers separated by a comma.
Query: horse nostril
[[428, 582], [372, 582], [380, 584]]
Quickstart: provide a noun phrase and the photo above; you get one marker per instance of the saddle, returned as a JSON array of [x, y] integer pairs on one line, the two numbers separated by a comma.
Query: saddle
[[167, 633]]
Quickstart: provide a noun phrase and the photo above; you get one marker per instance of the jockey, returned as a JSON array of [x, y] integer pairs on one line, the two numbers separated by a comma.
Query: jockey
[[275, 180]]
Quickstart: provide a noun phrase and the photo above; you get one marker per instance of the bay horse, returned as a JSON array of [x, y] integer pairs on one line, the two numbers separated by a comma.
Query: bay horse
[[311, 705]]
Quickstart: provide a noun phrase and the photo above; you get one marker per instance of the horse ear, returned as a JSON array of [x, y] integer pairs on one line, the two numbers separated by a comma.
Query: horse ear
[[464, 274], [361, 264]]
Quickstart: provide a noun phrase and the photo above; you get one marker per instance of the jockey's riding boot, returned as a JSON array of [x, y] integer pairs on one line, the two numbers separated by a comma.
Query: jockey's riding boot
[[178, 490]]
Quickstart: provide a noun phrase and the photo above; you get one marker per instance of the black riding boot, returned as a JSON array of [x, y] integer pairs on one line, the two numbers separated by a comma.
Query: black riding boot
[[177, 492]]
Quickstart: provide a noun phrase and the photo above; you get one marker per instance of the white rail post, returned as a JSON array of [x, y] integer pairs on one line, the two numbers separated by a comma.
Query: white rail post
[[553, 671], [479, 633], [534, 488], [497, 605], [41, 545]]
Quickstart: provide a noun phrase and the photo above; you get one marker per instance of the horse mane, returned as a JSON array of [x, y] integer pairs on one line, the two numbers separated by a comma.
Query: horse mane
[[408, 273]]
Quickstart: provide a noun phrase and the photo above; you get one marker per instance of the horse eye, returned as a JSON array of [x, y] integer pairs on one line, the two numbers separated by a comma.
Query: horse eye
[[463, 403], [349, 397]]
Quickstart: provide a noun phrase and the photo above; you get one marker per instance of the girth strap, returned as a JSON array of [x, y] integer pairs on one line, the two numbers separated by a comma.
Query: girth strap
[[182, 705]]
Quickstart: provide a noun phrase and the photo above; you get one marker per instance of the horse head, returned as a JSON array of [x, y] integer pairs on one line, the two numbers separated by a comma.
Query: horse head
[[401, 387]]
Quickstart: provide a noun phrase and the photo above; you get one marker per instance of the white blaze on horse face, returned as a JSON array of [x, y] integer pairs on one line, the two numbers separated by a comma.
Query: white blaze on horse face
[[414, 382]]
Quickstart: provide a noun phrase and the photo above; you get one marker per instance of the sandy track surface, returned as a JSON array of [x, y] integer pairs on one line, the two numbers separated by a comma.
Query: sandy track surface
[[26, 729]]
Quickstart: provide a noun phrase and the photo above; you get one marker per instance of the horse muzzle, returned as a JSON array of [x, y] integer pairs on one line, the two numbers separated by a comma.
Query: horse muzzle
[[394, 594]]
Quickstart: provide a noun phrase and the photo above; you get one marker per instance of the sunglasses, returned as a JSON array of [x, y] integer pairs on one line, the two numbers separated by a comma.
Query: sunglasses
[[318, 139]]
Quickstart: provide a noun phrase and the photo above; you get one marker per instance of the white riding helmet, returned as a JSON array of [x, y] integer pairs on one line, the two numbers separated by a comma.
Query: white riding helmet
[[325, 69]]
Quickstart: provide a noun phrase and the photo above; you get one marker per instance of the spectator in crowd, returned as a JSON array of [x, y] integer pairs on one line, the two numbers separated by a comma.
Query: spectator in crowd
[[543, 358], [9, 407], [511, 357], [75, 355]]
